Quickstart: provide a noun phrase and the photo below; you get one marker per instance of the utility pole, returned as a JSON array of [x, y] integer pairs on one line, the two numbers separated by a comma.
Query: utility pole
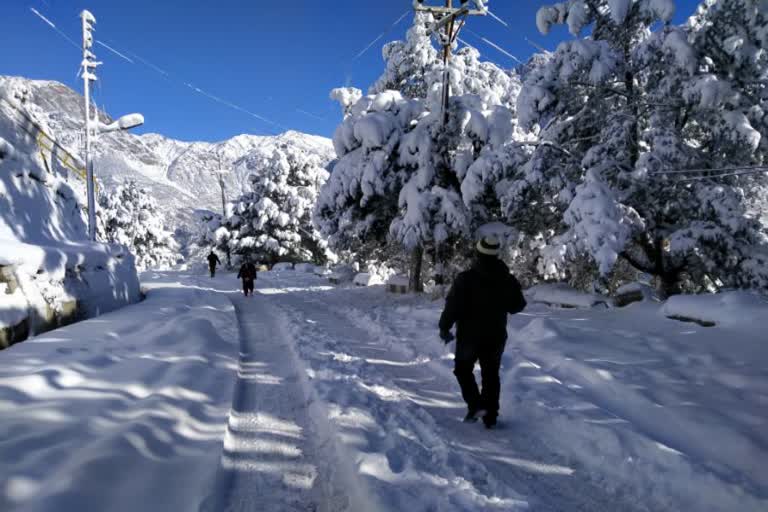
[[446, 19], [445, 27], [89, 65], [94, 126]]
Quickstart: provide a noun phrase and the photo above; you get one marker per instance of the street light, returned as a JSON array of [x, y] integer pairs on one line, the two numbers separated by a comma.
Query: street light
[[95, 126], [124, 123]]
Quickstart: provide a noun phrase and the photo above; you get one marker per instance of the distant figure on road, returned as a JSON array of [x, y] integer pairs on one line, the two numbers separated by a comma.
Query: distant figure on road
[[248, 275], [478, 303], [213, 260]]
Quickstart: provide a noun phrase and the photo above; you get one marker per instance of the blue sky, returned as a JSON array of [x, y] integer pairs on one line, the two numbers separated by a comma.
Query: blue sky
[[278, 60]]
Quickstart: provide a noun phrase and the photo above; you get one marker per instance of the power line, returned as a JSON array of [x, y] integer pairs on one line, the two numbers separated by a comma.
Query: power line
[[54, 27], [380, 36], [720, 169], [105, 45], [726, 175], [492, 15], [165, 74], [310, 114], [495, 46]]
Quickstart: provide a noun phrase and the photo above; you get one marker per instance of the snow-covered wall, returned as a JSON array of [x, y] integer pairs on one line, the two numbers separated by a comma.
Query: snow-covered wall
[[49, 271]]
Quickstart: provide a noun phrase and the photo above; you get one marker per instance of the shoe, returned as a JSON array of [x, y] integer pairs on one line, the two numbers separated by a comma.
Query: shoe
[[489, 421], [473, 415]]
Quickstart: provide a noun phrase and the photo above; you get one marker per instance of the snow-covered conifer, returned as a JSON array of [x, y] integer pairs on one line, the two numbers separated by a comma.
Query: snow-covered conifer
[[130, 216], [403, 176], [274, 220], [625, 105]]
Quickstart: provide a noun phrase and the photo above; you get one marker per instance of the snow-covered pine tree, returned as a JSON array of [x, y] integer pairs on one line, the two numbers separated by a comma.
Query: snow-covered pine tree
[[400, 172], [625, 104], [586, 104], [128, 215], [410, 62], [706, 103], [214, 232], [274, 220]]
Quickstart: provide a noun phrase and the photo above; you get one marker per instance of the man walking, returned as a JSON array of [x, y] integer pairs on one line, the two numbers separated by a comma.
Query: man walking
[[478, 303], [248, 275], [213, 260]]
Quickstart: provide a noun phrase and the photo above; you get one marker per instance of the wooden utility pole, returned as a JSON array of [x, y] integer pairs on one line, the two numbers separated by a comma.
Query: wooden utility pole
[[447, 31]]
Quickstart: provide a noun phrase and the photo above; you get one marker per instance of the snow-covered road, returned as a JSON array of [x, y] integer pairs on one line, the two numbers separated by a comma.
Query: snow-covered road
[[312, 398]]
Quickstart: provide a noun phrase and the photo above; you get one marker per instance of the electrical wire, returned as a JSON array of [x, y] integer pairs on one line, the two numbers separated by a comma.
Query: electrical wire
[[165, 73], [494, 45], [381, 36], [105, 45], [54, 27], [725, 175], [720, 169]]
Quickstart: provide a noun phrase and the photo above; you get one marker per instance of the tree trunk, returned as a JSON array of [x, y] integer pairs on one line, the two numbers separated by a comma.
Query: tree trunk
[[438, 264], [417, 257]]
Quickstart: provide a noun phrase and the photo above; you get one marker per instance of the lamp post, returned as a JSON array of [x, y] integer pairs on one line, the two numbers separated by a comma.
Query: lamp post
[[94, 126]]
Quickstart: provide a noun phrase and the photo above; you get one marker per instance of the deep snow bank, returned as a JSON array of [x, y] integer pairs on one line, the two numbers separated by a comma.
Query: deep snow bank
[[732, 309], [50, 271]]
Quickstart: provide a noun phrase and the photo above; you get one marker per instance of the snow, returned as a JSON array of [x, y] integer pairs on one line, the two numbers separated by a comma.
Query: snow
[[13, 307], [281, 267], [727, 309], [123, 410], [43, 231], [367, 279], [619, 10], [310, 397], [563, 295], [398, 280]]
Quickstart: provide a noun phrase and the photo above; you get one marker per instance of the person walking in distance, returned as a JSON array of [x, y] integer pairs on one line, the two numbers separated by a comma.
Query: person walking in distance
[[248, 275], [213, 260], [478, 303]]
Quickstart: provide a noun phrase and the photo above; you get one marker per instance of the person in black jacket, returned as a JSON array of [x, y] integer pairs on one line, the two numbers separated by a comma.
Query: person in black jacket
[[213, 260], [248, 275], [478, 303]]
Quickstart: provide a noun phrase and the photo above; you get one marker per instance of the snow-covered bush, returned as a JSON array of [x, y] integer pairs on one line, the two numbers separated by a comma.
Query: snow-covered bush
[[129, 216]]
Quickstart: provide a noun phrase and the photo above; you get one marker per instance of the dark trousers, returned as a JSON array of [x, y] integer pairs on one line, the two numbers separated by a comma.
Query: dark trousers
[[467, 354], [247, 286], [213, 270]]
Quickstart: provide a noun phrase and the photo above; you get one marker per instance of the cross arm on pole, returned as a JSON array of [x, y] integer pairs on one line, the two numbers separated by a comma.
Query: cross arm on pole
[[419, 6]]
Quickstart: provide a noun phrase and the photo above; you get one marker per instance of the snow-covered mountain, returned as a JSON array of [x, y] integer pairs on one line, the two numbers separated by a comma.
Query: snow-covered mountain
[[178, 174]]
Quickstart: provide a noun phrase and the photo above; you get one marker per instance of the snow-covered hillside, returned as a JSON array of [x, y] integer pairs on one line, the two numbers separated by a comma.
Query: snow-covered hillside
[[178, 174]]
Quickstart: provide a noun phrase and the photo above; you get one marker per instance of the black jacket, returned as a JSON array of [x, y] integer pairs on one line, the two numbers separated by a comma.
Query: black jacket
[[213, 260], [480, 300], [247, 272]]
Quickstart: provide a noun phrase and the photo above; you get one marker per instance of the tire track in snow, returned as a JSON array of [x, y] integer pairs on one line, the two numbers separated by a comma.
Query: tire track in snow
[[271, 459]]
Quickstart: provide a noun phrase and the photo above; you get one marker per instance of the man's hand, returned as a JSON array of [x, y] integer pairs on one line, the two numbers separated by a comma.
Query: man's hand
[[446, 336]]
